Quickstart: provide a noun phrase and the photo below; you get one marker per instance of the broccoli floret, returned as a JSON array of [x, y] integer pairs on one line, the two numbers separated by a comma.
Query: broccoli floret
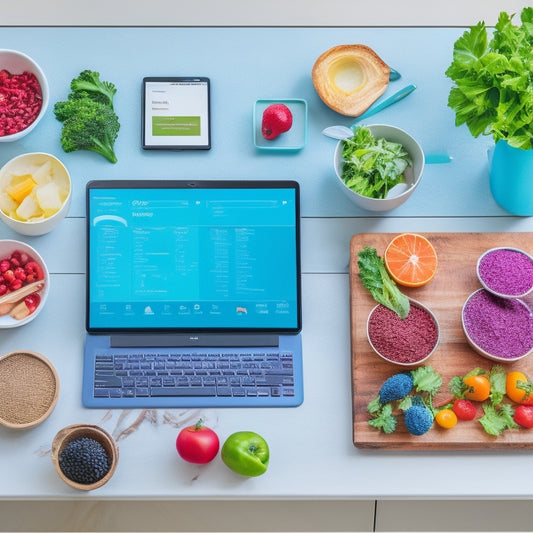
[[396, 387], [418, 419], [89, 82], [88, 125]]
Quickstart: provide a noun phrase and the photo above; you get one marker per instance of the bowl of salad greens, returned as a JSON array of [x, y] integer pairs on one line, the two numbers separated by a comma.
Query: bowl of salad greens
[[379, 167]]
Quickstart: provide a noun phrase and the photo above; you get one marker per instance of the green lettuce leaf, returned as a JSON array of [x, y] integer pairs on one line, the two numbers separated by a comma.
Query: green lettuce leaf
[[376, 279], [493, 80], [372, 166]]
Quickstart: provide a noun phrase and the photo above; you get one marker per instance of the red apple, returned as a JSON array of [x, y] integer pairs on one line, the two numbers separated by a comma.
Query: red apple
[[277, 119]]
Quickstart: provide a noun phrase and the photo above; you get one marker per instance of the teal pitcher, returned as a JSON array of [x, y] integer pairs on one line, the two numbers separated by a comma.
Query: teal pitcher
[[511, 178]]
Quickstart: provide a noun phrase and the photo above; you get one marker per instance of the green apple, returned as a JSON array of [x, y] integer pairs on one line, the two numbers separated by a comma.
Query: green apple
[[246, 453]]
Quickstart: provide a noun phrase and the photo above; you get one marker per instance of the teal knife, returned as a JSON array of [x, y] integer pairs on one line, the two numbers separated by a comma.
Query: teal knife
[[343, 132]]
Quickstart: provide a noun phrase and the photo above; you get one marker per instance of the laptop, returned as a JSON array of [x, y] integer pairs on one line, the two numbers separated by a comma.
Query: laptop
[[193, 294]]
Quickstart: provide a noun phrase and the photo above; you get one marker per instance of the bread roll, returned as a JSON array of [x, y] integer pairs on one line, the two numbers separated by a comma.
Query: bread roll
[[349, 78]]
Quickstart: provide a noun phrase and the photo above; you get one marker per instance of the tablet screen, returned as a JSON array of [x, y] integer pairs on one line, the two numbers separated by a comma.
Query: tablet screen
[[176, 113]]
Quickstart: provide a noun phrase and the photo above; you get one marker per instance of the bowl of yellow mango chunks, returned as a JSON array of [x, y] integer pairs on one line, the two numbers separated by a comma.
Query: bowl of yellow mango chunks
[[35, 193]]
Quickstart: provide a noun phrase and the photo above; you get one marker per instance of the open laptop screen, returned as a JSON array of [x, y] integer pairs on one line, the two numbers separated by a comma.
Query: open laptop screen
[[193, 256]]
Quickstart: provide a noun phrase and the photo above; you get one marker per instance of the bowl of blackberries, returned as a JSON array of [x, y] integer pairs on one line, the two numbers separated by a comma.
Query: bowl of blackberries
[[85, 456]]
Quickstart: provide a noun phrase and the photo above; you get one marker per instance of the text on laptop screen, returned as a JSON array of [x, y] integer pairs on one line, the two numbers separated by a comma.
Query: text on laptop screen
[[193, 259]]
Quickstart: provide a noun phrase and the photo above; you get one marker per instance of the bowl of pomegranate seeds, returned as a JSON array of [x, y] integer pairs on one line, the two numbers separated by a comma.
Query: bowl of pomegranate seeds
[[23, 95], [24, 283]]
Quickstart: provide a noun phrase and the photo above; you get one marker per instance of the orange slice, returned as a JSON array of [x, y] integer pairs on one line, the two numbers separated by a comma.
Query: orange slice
[[411, 260]]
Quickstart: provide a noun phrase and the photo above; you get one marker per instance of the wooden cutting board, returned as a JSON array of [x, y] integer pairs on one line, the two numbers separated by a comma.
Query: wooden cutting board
[[445, 295]]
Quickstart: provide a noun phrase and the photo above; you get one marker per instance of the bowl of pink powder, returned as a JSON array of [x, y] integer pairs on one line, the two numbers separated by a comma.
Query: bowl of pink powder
[[506, 272], [500, 329], [24, 95], [406, 341]]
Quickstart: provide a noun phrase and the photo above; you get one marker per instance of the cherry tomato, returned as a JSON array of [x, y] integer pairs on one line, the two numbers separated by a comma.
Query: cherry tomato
[[446, 418], [519, 388], [524, 416], [478, 388], [197, 444], [464, 409]]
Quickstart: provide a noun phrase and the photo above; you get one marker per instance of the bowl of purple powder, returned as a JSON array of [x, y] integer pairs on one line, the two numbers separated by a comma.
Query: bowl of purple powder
[[506, 272], [500, 329], [406, 341]]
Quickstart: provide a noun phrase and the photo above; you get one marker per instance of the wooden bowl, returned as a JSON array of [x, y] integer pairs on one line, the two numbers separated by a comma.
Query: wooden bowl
[[29, 388], [77, 431]]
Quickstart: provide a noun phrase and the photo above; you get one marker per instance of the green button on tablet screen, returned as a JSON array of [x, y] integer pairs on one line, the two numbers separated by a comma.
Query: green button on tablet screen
[[173, 126]]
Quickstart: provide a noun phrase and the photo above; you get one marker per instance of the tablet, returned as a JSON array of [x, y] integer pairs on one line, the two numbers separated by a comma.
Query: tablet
[[176, 113]]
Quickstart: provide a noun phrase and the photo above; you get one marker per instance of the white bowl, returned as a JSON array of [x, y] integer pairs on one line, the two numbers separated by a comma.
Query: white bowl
[[468, 333], [7, 247], [407, 364], [413, 174], [24, 164], [505, 271], [16, 63]]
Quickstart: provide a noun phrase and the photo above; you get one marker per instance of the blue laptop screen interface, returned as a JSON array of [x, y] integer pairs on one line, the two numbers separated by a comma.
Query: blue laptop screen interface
[[193, 259]]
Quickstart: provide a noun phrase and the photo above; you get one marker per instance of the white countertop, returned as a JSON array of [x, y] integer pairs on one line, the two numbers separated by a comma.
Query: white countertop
[[312, 455]]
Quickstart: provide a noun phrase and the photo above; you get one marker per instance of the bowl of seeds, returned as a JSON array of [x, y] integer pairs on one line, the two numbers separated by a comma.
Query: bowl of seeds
[[29, 389], [85, 456]]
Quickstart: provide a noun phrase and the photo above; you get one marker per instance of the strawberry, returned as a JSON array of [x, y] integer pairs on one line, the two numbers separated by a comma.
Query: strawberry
[[20, 273], [277, 119], [524, 416], [32, 268], [32, 301]]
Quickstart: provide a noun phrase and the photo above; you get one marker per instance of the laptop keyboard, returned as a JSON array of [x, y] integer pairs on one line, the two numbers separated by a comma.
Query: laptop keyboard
[[193, 374]]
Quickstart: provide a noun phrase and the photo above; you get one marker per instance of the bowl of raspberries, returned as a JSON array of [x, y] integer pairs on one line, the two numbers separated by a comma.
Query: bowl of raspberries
[[24, 283], [24, 95], [85, 456]]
